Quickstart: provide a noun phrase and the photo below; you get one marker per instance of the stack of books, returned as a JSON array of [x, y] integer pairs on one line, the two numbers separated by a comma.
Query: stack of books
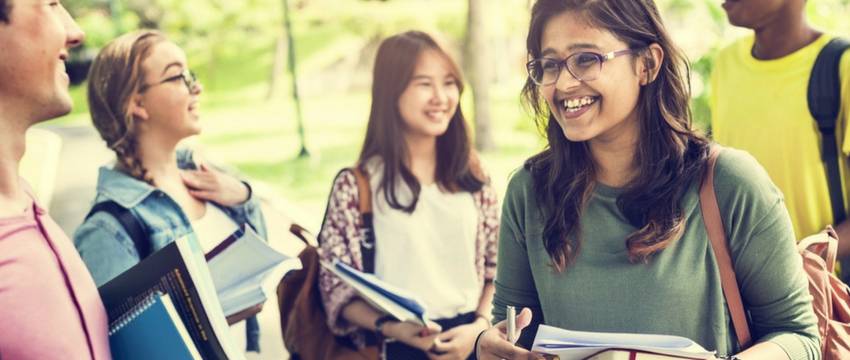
[[179, 271], [174, 303]]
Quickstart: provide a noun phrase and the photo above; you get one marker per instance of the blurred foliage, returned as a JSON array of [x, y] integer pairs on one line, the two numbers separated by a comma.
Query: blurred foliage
[[231, 44], [700, 28]]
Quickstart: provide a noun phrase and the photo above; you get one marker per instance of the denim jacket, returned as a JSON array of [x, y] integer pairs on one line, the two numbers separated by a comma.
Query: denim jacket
[[107, 248]]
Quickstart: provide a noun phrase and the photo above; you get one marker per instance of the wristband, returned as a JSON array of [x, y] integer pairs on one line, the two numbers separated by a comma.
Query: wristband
[[381, 321], [475, 345], [250, 190]]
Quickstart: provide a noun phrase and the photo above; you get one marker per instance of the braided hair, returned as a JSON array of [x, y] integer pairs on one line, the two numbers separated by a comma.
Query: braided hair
[[117, 75]]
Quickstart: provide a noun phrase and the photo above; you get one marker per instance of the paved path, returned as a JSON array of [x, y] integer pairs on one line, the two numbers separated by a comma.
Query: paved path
[[83, 152]]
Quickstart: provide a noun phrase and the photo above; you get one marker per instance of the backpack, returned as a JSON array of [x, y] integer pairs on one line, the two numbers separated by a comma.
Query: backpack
[[134, 227], [303, 320], [831, 297], [824, 99]]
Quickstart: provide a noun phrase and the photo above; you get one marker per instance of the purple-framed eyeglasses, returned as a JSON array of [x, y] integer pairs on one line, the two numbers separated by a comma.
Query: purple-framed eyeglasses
[[583, 66]]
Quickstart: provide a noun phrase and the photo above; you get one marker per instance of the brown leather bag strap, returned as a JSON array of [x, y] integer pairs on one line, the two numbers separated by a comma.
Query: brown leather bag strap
[[302, 234], [720, 246], [363, 190], [367, 245]]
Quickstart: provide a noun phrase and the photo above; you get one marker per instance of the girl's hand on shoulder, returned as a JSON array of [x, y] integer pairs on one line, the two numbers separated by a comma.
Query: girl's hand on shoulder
[[210, 184], [494, 345], [415, 335], [457, 343]]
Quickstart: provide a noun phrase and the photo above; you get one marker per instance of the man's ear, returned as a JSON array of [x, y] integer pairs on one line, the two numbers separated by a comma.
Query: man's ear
[[136, 108], [652, 58]]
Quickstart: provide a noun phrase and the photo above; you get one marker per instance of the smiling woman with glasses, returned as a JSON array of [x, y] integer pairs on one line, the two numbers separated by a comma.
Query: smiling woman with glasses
[[603, 230], [143, 111]]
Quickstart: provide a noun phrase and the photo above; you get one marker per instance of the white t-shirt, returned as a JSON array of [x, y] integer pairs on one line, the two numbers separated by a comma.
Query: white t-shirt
[[430, 252], [212, 228]]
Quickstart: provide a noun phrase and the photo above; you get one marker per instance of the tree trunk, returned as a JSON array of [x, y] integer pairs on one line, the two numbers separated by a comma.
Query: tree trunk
[[478, 64], [277, 67]]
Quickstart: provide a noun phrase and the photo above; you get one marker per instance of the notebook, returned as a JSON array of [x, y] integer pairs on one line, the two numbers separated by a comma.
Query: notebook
[[240, 264], [576, 345], [151, 330], [392, 300]]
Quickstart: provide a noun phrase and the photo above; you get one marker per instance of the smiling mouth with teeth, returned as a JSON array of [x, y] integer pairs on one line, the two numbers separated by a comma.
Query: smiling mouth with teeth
[[575, 104], [435, 113]]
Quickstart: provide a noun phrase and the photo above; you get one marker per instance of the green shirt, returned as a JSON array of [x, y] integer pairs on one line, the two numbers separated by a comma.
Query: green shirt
[[678, 292]]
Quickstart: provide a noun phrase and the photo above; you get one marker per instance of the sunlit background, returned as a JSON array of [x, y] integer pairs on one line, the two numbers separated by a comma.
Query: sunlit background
[[239, 50]]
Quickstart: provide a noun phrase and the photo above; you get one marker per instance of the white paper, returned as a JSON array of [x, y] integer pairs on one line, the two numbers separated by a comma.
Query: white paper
[[576, 345], [242, 267]]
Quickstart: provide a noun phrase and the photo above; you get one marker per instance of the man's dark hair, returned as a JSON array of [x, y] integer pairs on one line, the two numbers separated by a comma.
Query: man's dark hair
[[5, 9]]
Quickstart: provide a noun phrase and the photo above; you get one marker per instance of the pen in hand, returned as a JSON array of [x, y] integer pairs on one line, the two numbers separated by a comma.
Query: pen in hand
[[511, 317]]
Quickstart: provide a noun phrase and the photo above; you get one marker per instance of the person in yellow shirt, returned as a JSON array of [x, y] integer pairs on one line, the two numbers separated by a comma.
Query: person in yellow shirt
[[759, 103]]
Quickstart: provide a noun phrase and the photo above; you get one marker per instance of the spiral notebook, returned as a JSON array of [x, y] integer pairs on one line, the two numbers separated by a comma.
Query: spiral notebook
[[151, 330]]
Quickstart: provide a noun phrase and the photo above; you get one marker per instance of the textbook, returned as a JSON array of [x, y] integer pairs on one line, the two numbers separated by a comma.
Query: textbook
[[180, 271], [394, 301], [238, 266], [152, 329], [577, 345]]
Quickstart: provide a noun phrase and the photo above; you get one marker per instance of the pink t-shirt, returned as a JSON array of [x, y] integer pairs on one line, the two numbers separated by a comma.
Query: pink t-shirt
[[49, 305]]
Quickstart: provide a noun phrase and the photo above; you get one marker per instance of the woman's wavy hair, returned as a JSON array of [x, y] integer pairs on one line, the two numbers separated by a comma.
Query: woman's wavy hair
[[670, 155], [116, 75], [457, 164]]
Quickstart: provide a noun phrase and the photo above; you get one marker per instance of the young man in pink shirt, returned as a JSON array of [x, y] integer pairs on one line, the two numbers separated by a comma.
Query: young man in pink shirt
[[49, 305]]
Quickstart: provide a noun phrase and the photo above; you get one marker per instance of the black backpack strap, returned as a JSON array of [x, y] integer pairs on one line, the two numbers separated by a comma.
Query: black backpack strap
[[824, 97], [131, 224]]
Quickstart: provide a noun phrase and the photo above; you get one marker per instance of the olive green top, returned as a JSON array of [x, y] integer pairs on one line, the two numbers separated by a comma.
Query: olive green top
[[678, 292]]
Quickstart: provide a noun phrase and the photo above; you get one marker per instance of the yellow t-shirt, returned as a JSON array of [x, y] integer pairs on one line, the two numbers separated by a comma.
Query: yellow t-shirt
[[761, 107]]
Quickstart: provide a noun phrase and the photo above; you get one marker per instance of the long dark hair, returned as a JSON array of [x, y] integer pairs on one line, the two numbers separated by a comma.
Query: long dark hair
[[670, 155], [457, 167]]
